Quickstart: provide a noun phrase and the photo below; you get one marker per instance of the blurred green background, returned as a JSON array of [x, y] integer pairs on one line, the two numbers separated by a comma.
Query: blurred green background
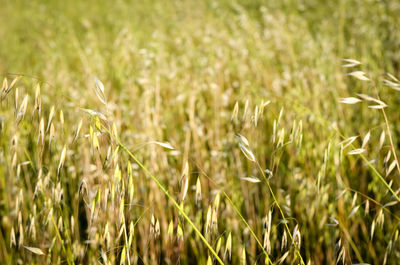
[[173, 71]]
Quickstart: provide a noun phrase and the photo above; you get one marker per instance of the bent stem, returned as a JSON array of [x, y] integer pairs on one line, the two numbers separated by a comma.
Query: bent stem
[[374, 170], [248, 226], [281, 212], [391, 140], [165, 191], [324, 122], [61, 242], [240, 215]]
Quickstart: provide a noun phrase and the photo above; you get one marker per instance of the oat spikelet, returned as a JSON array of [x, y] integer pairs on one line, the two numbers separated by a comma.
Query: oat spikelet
[[51, 116], [228, 247], [78, 129], [99, 90], [243, 258], [208, 219], [41, 131], [356, 151], [171, 230], [251, 179], [13, 241], [62, 159], [34, 250], [247, 152], [366, 140], [198, 190], [350, 63], [235, 111], [22, 109], [359, 75], [179, 232], [185, 180], [165, 145], [38, 101], [349, 100]]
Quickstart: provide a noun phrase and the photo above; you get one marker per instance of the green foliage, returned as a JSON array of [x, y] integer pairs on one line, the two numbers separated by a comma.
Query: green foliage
[[220, 132]]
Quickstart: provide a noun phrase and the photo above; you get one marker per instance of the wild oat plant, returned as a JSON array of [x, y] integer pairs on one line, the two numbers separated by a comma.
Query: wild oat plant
[[199, 132]]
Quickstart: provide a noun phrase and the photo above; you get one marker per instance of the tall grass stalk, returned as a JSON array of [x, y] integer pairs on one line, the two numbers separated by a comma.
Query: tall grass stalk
[[165, 191]]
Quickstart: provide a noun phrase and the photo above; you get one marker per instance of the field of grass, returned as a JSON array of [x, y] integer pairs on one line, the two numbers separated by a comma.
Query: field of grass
[[199, 132]]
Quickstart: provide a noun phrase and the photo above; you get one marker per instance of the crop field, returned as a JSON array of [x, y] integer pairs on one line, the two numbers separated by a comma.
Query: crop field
[[199, 132]]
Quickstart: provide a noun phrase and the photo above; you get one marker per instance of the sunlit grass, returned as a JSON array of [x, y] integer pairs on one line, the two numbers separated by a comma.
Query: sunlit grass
[[214, 132]]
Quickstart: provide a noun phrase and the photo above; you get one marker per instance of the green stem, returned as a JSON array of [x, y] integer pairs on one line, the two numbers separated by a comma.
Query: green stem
[[281, 212], [175, 203], [248, 226], [61, 240], [322, 121]]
